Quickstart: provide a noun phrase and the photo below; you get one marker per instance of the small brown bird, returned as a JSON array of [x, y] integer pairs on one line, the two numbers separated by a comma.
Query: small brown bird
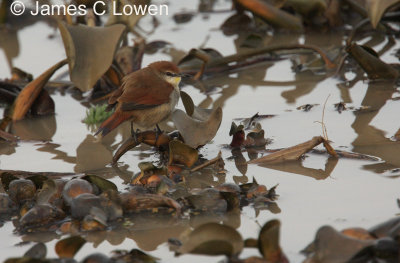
[[146, 97]]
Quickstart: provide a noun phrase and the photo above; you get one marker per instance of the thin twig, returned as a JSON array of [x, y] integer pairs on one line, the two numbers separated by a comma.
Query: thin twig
[[324, 130]]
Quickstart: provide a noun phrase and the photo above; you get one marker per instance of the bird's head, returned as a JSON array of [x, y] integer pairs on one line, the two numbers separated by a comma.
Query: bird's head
[[167, 71]]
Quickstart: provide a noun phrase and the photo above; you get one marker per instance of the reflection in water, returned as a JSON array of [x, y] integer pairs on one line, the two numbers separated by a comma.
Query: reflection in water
[[36, 129], [296, 167], [371, 140], [91, 155], [10, 44]]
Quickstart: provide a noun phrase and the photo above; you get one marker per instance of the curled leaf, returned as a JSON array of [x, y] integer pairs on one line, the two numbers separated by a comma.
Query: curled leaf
[[195, 132], [90, 51], [376, 9], [268, 242], [180, 153], [31, 91]]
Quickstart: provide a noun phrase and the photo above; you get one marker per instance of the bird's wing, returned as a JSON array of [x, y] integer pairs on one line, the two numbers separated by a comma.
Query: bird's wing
[[143, 91]]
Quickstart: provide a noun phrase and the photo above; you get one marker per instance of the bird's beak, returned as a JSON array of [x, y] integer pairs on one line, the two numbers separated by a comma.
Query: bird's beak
[[184, 75]]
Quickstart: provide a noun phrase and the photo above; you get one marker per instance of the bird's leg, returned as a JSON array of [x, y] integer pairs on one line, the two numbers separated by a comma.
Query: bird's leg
[[133, 133], [158, 132]]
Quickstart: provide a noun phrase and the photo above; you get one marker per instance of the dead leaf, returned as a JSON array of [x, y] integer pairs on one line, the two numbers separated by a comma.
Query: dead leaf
[[290, 153], [180, 153], [376, 9], [31, 91], [268, 242], [331, 246], [373, 66], [197, 132], [68, 247], [90, 51]]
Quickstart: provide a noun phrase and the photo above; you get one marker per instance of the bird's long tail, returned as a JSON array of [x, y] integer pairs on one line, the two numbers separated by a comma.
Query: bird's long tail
[[111, 123]]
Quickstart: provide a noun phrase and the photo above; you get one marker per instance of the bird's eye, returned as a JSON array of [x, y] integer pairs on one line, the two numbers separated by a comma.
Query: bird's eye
[[169, 74]]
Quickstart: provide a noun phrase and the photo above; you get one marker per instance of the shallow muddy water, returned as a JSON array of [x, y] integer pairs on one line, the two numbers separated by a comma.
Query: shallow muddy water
[[314, 192]]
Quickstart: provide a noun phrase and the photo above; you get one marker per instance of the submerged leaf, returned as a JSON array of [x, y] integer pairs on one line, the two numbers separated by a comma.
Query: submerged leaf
[[31, 91], [68, 247], [90, 51], [196, 132]]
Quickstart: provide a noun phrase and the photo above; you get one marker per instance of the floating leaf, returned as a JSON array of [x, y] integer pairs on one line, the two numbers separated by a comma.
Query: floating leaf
[[376, 9], [290, 153], [180, 153], [195, 132], [90, 51], [211, 239], [31, 91], [100, 182], [68, 247]]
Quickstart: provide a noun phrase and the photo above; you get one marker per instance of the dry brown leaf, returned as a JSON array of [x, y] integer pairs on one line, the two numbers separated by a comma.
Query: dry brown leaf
[[90, 51], [330, 149], [68, 247], [291, 153], [31, 91]]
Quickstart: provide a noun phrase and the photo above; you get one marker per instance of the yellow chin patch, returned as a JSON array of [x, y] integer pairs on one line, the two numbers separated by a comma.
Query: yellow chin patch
[[174, 81]]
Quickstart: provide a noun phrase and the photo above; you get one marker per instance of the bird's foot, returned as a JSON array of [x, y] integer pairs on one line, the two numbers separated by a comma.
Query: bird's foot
[[134, 134]]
